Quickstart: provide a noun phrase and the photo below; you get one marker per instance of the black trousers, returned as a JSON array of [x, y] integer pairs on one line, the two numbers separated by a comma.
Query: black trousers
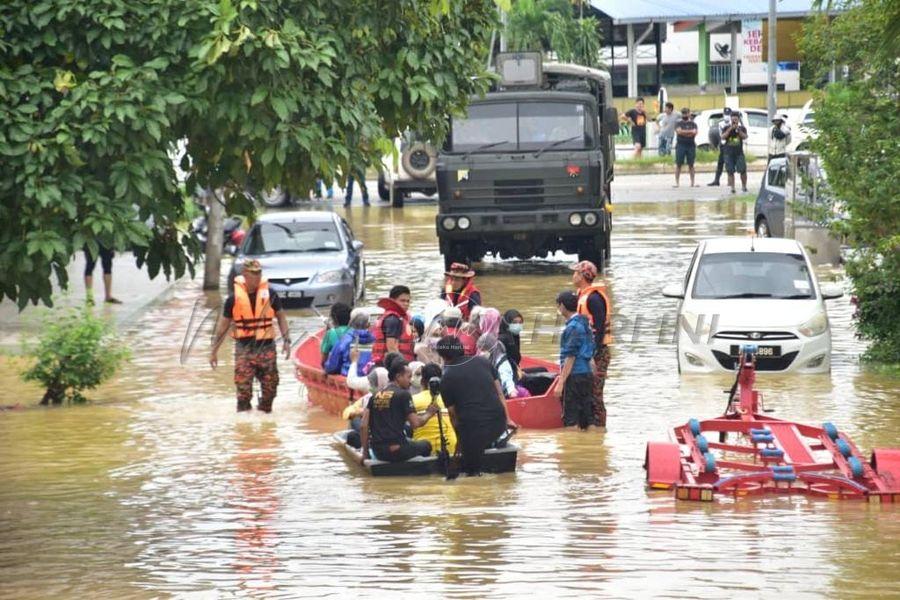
[[407, 449], [720, 165], [578, 401], [473, 439], [106, 258]]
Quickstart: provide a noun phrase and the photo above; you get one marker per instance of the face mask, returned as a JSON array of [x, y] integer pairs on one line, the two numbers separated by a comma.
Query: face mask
[[515, 328]]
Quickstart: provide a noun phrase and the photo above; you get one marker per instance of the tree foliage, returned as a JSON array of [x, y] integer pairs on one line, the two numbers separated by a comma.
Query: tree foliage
[[77, 351], [95, 95], [859, 126], [552, 26]]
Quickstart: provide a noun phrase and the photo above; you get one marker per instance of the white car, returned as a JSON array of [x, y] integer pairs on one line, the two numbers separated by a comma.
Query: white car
[[748, 290], [805, 129]]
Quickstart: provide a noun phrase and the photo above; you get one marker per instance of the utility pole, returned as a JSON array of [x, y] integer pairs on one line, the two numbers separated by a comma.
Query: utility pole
[[215, 225], [504, 21], [772, 67]]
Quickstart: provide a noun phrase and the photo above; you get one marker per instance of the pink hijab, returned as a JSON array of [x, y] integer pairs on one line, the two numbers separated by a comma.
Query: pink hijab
[[490, 321]]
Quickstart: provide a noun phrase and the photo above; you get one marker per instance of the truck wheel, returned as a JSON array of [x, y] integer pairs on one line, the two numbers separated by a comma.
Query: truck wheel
[[383, 192], [399, 197]]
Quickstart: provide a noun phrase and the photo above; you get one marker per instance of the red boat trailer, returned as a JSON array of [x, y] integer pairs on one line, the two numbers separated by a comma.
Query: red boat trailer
[[330, 392], [768, 456]]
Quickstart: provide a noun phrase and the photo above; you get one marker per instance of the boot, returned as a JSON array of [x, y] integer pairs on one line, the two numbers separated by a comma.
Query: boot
[[243, 405]]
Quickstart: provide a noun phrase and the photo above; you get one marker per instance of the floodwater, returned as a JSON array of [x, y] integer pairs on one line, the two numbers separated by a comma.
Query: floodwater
[[159, 489]]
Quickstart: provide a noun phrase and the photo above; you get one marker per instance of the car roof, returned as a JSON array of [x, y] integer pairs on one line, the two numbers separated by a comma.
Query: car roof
[[294, 216], [748, 244]]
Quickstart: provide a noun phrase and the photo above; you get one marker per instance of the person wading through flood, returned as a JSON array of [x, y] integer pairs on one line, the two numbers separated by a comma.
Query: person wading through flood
[[252, 310], [471, 392], [387, 413], [595, 304], [459, 289], [576, 348], [393, 330]]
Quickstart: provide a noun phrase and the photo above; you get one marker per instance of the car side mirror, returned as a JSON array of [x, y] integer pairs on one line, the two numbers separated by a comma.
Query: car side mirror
[[357, 245], [673, 290], [831, 292], [611, 120]]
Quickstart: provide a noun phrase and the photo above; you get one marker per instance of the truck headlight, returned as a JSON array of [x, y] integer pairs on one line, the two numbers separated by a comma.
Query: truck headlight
[[816, 325], [330, 276], [590, 219], [464, 223], [449, 223], [575, 219]]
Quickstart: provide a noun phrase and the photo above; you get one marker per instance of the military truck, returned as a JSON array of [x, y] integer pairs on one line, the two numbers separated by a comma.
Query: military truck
[[527, 171]]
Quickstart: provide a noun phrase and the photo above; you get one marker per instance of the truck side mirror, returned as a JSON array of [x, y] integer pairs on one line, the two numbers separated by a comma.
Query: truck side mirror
[[611, 120]]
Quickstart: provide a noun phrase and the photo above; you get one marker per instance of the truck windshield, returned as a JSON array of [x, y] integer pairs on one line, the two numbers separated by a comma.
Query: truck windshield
[[526, 126]]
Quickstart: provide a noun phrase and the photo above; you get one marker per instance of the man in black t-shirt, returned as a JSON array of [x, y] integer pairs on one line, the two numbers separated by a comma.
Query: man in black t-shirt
[[388, 411], [685, 145], [733, 150], [638, 119], [471, 391]]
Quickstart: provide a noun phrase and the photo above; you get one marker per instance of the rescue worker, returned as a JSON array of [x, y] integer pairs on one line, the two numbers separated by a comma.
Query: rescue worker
[[460, 290], [393, 330], [252, 310], [594, 303]]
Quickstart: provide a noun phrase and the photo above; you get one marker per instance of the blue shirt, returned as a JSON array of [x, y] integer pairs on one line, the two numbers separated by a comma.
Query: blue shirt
[[578, 341]]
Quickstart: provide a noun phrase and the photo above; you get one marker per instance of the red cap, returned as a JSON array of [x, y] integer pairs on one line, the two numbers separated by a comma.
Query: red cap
[[586, 269]]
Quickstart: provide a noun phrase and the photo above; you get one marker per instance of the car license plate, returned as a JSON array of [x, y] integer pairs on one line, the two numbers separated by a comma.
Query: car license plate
[[761, 351], [294, 295]]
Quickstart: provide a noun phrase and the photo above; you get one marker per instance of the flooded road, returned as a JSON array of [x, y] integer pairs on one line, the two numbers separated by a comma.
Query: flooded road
[[159, 488]]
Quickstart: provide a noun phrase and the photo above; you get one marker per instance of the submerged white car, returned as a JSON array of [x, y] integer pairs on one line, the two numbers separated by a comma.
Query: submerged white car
[[762, 291]]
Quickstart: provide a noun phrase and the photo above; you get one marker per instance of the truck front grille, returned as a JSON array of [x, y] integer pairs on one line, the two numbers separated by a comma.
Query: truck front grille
[[519, 191]]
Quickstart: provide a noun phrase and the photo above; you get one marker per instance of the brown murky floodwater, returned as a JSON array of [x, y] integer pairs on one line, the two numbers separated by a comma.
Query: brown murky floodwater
[[159, 488]]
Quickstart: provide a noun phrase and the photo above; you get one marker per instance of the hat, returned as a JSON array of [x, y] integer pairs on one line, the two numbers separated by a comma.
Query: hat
[[778, 118], [251, 265], [452, 312], [685, 111], [460, 270], [586, 269], [727, 110]]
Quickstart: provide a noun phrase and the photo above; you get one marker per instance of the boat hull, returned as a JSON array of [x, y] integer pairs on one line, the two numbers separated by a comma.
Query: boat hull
[[330, 392]]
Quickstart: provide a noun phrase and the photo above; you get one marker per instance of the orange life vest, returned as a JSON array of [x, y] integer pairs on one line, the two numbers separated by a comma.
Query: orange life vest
[[406, 343], [252, 321], [583, 296], [463, 298]]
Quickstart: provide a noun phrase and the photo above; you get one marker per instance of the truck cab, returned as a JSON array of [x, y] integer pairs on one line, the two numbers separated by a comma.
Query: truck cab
[[526, 171]]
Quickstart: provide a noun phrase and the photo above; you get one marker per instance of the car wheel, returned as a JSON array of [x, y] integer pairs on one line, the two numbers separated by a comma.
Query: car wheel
[[762, 228], [419, 160], [274, 198], [383, 191]]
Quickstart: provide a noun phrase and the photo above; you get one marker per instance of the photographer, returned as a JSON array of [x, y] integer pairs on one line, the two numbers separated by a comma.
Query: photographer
[[733, 151]]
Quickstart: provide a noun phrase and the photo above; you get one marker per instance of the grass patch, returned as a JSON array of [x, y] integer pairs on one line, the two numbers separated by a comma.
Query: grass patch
[[747, 198], [703, 157]]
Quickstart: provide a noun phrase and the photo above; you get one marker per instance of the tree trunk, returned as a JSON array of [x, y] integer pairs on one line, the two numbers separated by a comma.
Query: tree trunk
[[214, 240]]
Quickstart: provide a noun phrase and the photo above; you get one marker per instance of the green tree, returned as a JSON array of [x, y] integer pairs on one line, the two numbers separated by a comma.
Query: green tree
[[95, 95], [552, 26], [77, 351], [859, 126]]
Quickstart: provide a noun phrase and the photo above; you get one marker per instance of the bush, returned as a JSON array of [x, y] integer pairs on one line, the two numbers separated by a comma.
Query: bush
[[76, 351]]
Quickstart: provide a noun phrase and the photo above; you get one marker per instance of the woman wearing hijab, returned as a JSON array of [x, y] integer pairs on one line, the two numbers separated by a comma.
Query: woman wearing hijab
[[489, 347], [510, 329]]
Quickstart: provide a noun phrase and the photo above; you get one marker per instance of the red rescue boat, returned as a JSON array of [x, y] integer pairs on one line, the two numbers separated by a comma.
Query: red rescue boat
[[330, 392]]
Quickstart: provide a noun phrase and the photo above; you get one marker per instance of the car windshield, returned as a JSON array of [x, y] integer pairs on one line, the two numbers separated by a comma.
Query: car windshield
[[292, 237], [522, 126], [753, 275]]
